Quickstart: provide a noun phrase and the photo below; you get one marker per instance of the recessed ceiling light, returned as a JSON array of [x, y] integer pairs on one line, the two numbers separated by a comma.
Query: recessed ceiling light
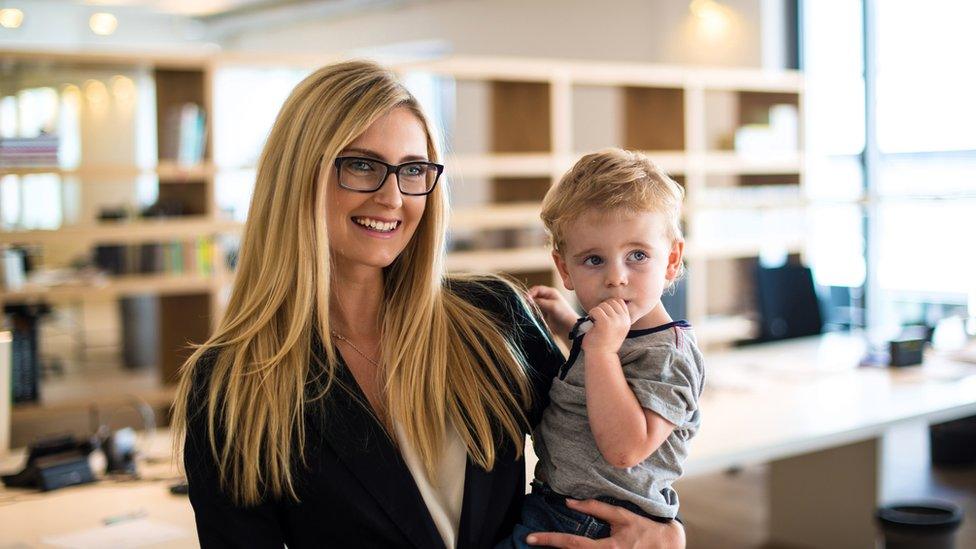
[[11, 18], [103, 24]]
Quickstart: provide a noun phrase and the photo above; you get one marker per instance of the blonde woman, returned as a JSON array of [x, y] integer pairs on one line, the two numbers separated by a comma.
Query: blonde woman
[[353, 395]]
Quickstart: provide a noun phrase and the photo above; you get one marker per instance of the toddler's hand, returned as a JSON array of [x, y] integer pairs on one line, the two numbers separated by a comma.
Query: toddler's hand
[[559, 315], [611, 322]]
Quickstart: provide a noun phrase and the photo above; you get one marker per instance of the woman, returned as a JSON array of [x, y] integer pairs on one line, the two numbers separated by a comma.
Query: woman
[[352, 395]]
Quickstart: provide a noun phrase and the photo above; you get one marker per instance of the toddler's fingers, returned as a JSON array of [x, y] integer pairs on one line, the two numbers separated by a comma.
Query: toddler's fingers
[[597, 314], [618, 306]]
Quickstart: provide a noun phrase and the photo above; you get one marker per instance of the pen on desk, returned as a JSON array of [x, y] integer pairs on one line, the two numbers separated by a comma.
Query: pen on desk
[[108, 521]]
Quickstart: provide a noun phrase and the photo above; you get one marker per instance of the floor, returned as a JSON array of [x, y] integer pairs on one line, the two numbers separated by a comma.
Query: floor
[[727, 510]]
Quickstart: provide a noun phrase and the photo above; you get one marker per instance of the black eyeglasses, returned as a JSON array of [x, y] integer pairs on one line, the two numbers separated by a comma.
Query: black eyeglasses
[[367, 175]]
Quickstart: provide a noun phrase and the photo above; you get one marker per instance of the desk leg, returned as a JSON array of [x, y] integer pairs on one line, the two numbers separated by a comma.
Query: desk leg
[[825, 499]]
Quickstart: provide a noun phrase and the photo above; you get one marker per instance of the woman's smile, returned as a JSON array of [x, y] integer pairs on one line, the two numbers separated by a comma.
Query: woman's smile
[[377, 227]]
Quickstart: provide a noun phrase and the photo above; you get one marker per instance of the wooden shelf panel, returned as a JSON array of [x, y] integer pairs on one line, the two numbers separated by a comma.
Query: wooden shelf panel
[[116, 286], [174, 171], [126, 232], [719, 162], [476, 165], [734, 249], [165, 171], [673, 162], [773, 197], [610, 74], [517, 214], [504, 260], [717, 330], [503, 165]]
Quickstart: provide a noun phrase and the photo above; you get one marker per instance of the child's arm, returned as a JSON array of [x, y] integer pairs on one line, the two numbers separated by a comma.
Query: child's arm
[[625, 432], [559, 315]]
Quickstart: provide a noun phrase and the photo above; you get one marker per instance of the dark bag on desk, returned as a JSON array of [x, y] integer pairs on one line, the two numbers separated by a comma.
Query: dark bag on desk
[[54, 463]]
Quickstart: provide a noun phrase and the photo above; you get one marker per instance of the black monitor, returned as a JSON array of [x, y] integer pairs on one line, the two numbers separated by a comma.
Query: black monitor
[[787, 303]]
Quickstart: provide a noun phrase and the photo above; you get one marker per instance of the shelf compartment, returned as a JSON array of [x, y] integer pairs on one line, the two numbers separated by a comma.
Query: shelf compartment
[[516, 214], [502, 165], [167, 171], [125, 232], [727, 112], [535, 258], [725, 329], [521, 118], [113, 287], [654, 118]]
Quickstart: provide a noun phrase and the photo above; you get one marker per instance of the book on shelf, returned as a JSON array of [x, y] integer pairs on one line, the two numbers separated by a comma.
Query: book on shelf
[[184, 138], [29, 152], [178, 257]]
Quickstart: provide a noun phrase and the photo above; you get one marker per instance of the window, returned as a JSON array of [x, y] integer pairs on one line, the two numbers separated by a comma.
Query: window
[[919, 198]]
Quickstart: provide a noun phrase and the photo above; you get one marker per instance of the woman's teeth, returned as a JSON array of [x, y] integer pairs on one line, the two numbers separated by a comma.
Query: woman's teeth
[[381, 226]]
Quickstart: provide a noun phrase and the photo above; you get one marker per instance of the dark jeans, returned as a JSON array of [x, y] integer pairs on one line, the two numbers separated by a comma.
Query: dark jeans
[[546, 511]]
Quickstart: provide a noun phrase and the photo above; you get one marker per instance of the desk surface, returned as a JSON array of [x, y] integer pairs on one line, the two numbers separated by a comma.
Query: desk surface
[[761, 403], [29, 517], [784, 399]]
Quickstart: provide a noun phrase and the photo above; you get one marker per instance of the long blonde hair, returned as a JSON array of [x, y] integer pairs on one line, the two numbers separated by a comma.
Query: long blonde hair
[[446, 362]]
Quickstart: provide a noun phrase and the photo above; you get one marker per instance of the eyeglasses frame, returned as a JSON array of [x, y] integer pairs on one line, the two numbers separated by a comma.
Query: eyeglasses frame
[[390, 169]]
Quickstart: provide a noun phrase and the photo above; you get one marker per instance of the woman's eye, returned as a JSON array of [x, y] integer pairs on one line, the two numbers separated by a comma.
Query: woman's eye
[[638, 255], [360, 166], [414, 171], [593, 260]]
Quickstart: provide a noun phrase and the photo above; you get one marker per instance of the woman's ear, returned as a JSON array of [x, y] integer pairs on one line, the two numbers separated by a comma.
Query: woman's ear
[[675, 258], [563, 272]]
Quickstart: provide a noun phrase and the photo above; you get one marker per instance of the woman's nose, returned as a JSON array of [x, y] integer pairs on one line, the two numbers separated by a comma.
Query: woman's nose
[[389, 194]]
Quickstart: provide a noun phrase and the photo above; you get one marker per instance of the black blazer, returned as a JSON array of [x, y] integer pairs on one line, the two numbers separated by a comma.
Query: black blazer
[[356, 491]]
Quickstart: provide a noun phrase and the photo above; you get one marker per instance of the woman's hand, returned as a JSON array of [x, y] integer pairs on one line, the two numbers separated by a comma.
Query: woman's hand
[[627, 530], [559, 315]]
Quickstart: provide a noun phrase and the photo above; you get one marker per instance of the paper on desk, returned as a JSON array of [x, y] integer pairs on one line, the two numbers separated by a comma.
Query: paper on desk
[[131, 533]]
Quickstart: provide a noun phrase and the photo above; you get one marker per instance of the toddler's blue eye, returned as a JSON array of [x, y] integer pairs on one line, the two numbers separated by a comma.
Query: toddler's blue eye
[[638, 255], [593, 260]]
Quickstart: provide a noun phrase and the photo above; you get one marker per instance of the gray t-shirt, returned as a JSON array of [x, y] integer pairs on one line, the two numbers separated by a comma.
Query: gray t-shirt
[[664, 369]]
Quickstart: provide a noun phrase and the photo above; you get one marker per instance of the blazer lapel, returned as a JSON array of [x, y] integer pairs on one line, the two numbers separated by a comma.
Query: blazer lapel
[[367, 451]]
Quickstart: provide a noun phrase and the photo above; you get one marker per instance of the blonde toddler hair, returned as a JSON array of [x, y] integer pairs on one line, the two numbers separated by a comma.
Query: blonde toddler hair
[[609, 180]]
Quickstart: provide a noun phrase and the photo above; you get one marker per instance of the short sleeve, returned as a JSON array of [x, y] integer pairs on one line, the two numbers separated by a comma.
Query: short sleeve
[[665, 382]]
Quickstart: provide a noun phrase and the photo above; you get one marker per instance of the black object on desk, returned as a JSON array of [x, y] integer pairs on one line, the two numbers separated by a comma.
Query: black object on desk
[[787, 301], [54, 463], [24, 358], [905, 351]]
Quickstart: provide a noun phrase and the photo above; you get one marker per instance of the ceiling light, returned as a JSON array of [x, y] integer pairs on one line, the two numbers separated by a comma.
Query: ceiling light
[[713, 16], [103, 24], [11, 18]]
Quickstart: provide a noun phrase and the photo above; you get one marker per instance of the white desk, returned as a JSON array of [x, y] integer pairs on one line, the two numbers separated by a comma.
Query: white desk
[[29, 517], [805, 407]]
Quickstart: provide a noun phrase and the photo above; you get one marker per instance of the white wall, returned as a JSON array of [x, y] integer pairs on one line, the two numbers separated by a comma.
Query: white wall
[[662, 31]]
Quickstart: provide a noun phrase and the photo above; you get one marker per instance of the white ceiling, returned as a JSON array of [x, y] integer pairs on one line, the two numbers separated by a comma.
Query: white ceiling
[[205, 8]]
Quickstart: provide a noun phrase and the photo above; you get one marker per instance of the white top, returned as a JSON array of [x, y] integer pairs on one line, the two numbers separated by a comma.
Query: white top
[[443, 494]]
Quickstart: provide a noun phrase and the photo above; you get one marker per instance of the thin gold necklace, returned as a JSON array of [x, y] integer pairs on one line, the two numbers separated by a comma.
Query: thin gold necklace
[[345, 340]]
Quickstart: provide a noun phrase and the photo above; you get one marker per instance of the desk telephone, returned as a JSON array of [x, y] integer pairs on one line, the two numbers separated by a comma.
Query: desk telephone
[[54, 463]]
